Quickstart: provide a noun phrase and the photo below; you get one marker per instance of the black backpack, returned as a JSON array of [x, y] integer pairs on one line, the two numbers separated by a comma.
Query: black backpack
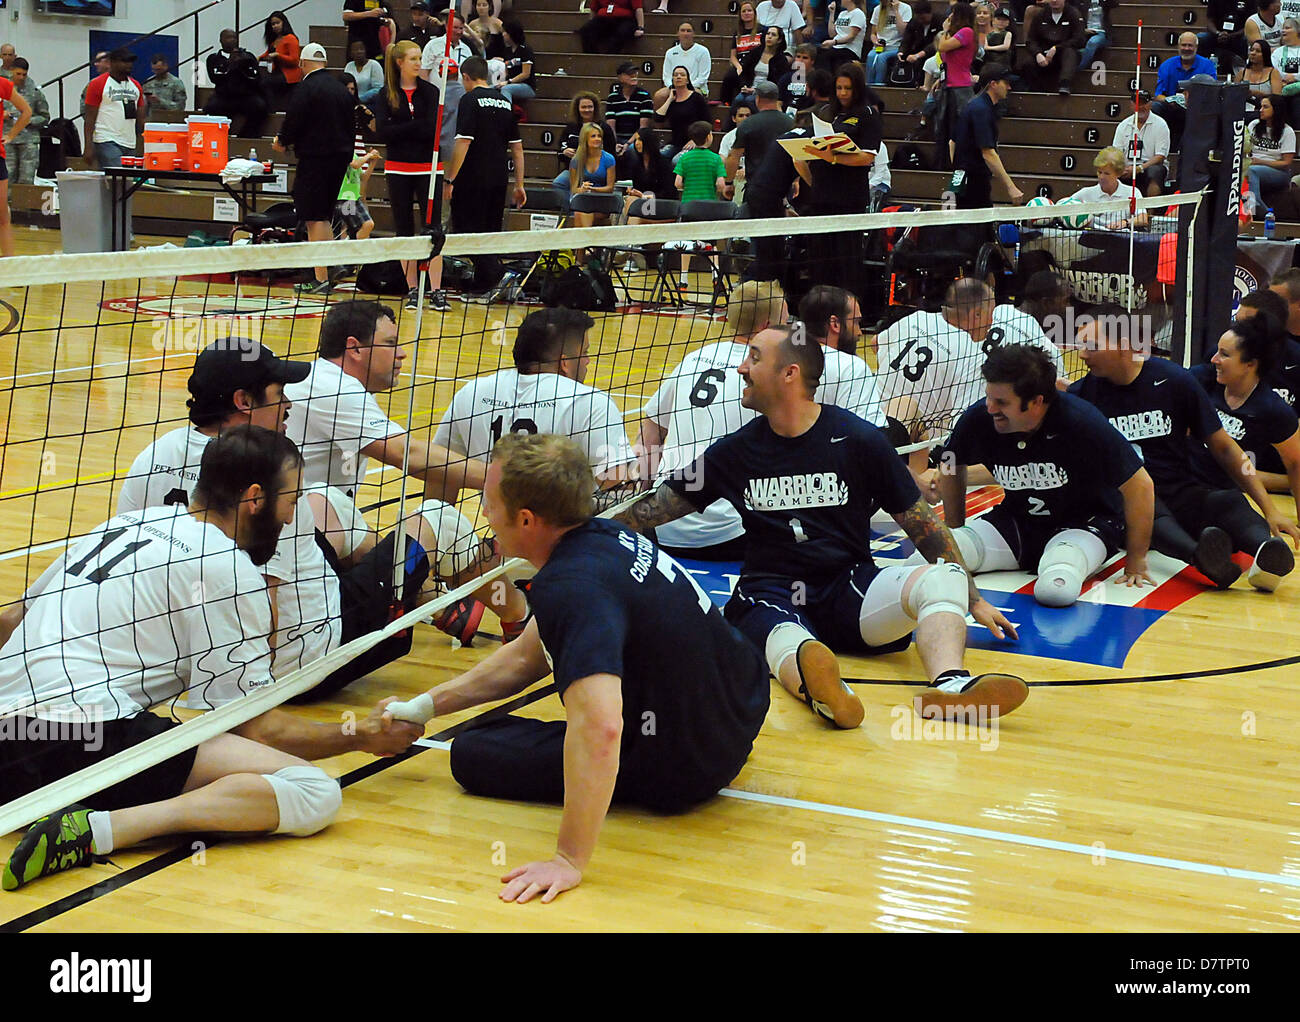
[[384, 278], [588, 288]]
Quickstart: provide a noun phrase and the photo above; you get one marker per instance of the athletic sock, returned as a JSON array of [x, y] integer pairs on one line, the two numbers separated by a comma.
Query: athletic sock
[[953, 681], [101, 833]]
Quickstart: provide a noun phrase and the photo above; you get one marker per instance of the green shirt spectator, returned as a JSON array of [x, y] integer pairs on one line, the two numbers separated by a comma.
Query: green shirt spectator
[[701, 174]]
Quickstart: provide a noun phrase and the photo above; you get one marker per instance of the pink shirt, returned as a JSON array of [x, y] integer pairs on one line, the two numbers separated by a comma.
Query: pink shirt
[[957, 62]]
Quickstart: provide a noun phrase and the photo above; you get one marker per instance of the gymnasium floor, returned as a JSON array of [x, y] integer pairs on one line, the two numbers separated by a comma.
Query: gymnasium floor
[[1147, 784]]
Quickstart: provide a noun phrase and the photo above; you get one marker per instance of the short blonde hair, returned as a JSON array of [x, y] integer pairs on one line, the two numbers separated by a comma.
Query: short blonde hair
[[754, 305], [547, 474], [1111, 157]]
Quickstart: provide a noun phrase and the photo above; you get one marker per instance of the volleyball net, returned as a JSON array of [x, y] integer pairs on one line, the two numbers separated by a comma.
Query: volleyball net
[[100, 360]]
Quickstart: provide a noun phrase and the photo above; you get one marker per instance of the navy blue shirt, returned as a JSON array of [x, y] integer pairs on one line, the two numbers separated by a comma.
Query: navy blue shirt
[[1285, 379], [1163, 413], [1068, 469], [1261, 421], [977, 130], [608, 601], [806, 502]]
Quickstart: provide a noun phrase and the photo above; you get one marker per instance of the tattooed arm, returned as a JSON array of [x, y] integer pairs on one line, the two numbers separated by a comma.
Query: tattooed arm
[[934, 542], [663, 506]]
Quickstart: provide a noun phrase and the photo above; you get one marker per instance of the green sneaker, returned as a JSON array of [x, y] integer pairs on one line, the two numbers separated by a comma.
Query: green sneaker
[[52, 844]]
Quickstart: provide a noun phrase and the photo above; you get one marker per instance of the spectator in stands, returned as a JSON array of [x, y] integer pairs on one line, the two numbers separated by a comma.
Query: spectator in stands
[[691, 55], [785, 15], [629, 108], [1110, 167], [683, 107], [236, 90], [1265, 24], [365, 20], [794, 84], [593, 172], [406, 121], [882, 182], [651, 174], [1054, 41], [741, 111], [976, 143], [1272, 152], [845, 43], [1096, 28], [1143, 139], [1260, 76], [1286, 58], [887, 28], [583, 110], [461, 49], [367, 73], [319, 126], [1000, 43], [613, 24], [23, 148], [7, 56], [957, 45], [1168, 104], [9, 95], [770, 63], [282, 50], [747, 36], [487, 25], [916, 45], [519, 60], [99, 66], [1227, 42], [115, 113], [701, 177], [421, 30], [164, 89], [755, 137]]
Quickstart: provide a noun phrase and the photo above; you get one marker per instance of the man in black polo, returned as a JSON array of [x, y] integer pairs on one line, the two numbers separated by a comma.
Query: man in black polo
[[755, 135], [421, 28], [319, 127], [629, 107], [236, 90], [477, 173], [975, 153]]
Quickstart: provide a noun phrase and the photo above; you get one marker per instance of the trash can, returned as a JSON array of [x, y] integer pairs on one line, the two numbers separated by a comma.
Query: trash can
[[86, 212]]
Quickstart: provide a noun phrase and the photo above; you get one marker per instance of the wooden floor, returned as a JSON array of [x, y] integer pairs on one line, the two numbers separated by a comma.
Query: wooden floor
[[1111, 801]]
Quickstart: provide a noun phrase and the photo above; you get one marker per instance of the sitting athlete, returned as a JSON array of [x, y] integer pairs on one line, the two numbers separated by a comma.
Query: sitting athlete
[[806, 479], [1249, 353], [700, 401], [322, 594], [150, 606], [605, 602], [546, 392], [339, 426], [1074, 489], [1160, 409]]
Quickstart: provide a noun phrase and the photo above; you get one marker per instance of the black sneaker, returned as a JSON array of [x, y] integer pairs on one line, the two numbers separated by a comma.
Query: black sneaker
[[52, 844], [1273, 561], [1213, 557], [461, 620], [413, 298], [438, 301], [314, 287]]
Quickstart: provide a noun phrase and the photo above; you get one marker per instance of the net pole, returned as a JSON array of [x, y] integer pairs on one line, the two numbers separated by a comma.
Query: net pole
[[1132, 197], [1187, 284]]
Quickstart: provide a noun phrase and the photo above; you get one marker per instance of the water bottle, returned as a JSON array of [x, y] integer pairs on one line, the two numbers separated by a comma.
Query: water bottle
[[1270, 225], [252, 154]]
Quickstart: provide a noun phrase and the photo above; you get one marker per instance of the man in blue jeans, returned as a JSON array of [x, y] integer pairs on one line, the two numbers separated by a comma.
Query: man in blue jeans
[[115, 113]]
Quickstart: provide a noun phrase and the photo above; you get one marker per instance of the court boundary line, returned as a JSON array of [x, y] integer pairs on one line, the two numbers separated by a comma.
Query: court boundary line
[[172, 856], [1139, 858]]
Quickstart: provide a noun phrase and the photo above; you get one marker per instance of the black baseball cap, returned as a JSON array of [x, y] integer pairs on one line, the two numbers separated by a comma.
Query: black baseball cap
[[995, 73], [1143, 96], [229, 364], [628, 68], [419, 5], [121, 53]]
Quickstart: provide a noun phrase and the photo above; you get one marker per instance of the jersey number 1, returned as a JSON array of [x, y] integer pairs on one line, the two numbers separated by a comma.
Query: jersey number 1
[[518, 426], [100, 574]]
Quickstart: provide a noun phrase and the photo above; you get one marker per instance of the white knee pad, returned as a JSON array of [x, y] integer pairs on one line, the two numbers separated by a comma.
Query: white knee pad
[[1068, 560], [783, 642], [458, 543], [308, 798], [943, 589], [353, 527], [971, 547]]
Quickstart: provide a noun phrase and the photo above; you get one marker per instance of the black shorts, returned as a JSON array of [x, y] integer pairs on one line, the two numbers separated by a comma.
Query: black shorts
[[30, 759], [316, 185], [1027, 538], [365, 598]]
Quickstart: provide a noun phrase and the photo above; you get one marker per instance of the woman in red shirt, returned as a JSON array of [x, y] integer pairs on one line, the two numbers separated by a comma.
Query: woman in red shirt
[[10, 94], [282, 50]]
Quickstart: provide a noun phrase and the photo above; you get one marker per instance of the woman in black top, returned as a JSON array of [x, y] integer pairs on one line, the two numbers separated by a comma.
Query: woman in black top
[[747, 37], [683, 107], [772, 54], [649, 171], [518, 86], [841, 183]]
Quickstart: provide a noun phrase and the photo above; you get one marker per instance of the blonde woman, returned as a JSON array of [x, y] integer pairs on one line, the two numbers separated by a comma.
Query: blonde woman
[[592, 172], [887, 30]]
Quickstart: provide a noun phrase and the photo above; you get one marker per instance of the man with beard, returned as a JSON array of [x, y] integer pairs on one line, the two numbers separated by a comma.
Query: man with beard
[[148, 607]]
